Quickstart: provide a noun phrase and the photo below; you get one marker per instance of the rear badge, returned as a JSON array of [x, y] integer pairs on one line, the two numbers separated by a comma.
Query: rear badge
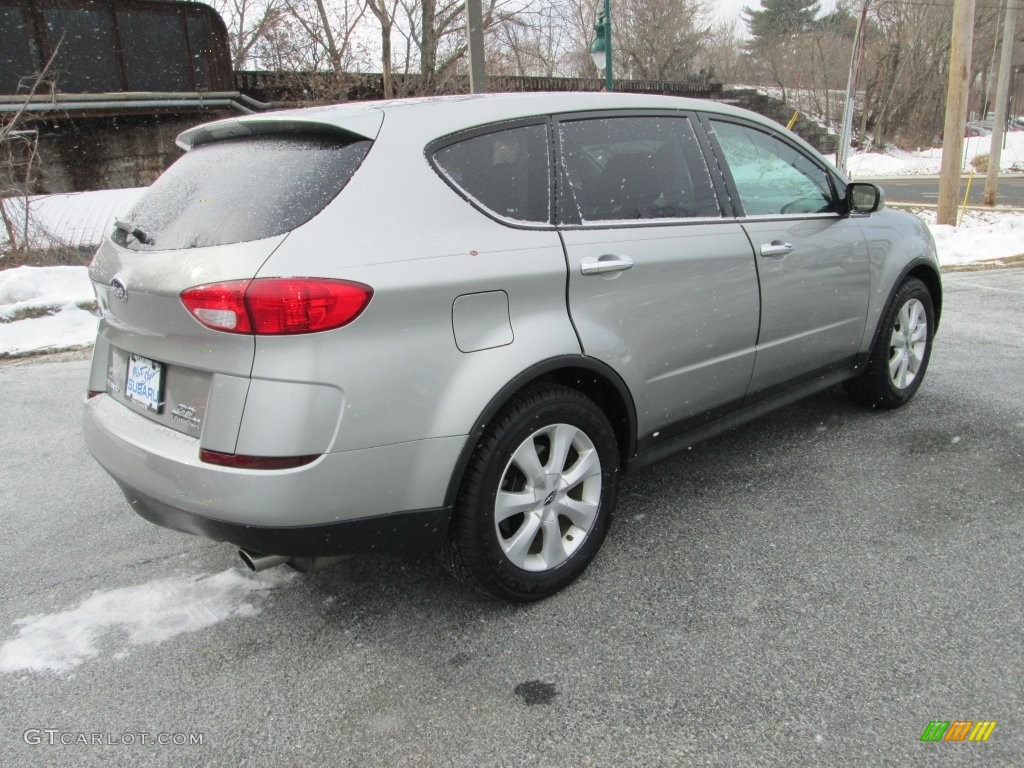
[[119, 288], [185, 414]]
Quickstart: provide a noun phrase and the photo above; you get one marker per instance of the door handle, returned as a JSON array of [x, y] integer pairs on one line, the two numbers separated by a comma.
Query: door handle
[[776, 249], [606, 263]]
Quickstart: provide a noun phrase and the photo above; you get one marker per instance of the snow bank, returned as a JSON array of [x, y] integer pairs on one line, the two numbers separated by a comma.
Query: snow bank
[[29, 287], [928, 162], [54, 293], [146, 614], [981, 236], [68, 329]]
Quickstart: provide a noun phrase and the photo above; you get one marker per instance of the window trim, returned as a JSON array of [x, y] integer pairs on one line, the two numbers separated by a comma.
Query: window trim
[[723, 166], [574, 223], [433, 147]]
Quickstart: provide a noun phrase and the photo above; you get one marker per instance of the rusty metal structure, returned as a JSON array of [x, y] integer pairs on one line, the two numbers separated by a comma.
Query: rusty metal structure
[[113, 46]]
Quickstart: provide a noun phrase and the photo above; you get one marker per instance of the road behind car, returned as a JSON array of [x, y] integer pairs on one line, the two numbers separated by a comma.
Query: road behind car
[[813, 589]]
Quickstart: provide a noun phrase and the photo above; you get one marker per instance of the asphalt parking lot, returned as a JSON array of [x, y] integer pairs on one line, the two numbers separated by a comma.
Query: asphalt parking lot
[[813, 589]]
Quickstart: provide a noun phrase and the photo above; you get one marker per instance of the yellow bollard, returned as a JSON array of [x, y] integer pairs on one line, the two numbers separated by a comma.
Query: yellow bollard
[[792, 121]]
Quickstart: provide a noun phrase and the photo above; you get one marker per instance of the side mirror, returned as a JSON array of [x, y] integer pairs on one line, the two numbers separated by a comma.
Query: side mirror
[[864, 198]]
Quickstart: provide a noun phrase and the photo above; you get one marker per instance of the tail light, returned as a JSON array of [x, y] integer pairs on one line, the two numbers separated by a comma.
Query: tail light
[[277, 306], [239, 461]]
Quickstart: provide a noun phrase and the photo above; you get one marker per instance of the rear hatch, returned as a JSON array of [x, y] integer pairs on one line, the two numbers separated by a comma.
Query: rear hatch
[[214, 216]]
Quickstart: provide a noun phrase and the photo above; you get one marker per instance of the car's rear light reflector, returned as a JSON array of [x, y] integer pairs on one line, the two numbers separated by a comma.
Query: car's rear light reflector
[[298, 305], [276, 306], [240, 461], [220, 306]]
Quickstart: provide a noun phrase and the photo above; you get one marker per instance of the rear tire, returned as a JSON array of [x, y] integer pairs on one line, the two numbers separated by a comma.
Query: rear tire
[[537, 497], [902, 349]]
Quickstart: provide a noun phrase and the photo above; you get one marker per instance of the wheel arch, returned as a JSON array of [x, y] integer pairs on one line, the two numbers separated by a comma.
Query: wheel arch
[[593, 378], [924, 270], [927, 274]]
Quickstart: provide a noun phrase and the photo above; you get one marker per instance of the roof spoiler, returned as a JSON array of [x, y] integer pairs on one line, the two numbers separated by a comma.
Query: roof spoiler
[[364, 123]]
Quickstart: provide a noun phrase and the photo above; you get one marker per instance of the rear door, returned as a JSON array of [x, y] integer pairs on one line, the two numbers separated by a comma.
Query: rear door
[[661, 287], [812, 259], [215, 216]]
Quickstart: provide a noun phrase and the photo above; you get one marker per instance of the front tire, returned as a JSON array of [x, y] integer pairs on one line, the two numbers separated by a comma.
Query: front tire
[[537, 497], [900, 355]]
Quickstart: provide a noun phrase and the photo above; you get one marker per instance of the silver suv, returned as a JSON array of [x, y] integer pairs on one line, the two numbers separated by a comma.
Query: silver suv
[[453, 323]]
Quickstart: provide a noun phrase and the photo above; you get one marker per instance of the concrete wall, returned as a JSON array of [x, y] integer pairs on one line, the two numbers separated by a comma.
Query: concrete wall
[[108, 152]]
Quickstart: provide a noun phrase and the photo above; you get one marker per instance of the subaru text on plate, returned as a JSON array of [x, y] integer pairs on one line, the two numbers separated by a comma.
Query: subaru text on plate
[[453, 323]]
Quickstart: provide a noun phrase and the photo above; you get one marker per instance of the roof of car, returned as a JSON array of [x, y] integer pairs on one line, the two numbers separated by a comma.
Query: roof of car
[[440, 115]]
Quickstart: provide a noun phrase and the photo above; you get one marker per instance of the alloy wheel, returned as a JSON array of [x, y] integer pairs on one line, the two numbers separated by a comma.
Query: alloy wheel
[[549, 497], [908, 343]]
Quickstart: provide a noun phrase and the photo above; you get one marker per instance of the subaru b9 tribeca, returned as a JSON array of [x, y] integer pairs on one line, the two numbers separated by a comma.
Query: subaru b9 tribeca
[[453, 322]]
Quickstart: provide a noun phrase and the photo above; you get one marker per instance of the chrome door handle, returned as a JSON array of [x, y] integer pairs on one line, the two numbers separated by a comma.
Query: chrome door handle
[[776, 249], [606, 263]]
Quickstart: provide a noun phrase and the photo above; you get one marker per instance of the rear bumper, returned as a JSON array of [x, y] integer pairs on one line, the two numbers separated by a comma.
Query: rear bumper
[[373, 499], [417, 530]]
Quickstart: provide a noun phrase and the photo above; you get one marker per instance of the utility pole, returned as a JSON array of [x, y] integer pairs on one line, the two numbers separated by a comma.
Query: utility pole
[[1002, 100], [956, 110], [475, 42], [856, 58]]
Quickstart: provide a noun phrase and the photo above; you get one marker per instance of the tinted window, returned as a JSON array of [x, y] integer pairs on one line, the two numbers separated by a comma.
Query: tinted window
[[243, 189], [636, 168], [155, 54], [505, 172], [770, 175]]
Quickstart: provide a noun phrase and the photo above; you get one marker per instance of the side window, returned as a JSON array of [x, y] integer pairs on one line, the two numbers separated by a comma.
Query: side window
[[772, 177], [505, 172], [636, 168]]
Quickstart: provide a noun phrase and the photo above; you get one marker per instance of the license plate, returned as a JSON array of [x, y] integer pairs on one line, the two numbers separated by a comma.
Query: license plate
[[145, 383]]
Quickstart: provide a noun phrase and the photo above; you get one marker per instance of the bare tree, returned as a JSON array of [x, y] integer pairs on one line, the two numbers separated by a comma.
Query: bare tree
[[324, 30], [660, 39], [249, 23], [720, 55], [384, 11], [19, 156], [435, 31], [531, 42]]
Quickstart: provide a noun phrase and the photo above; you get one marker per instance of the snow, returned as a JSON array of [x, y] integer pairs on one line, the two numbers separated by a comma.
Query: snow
[[29, 287], [146, 614], [68, 329], [72, 219], [928, 162], [53, 292], [981, 236]]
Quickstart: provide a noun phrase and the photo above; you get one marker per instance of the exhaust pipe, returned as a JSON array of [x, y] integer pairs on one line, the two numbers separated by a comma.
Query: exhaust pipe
[[256, 562]]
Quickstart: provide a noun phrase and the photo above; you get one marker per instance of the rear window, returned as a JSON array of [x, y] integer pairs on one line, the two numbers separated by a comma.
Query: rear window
[[242, 189]]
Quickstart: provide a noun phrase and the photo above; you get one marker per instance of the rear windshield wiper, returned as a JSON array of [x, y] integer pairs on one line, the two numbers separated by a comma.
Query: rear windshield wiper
[[134, 231]]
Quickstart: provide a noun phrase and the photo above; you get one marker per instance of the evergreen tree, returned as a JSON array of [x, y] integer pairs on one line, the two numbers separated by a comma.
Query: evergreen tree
[[780, 18]]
